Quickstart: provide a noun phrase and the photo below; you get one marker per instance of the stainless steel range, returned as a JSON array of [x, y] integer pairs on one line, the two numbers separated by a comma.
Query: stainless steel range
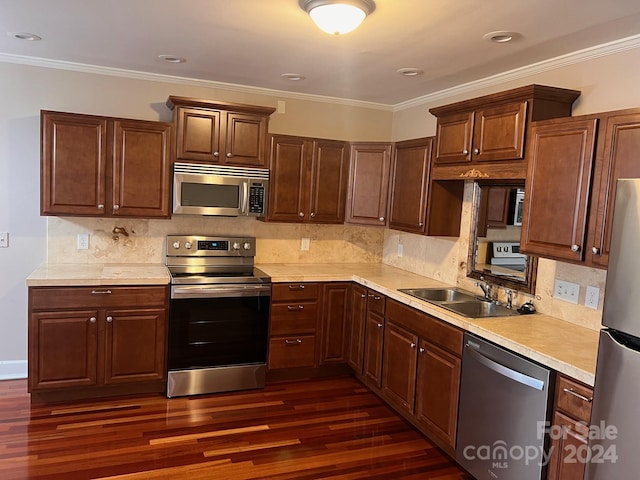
[[218, 315]]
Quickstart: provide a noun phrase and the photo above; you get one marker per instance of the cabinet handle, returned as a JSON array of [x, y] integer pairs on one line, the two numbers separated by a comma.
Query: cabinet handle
[[363, 296], [109, 319], [421, 350], [101, 206], [116, 207], [381, 219], [465, 152], [571, 391], [299, 307], [313, 214], [301, 214], [100, 292], [379, 325], [595, 250], [297, 341], [476, 151], [216, 154], [93, 320], [229, 155], [375, 297], [575, 248], [420, 224], [413, 345], [296, 287]]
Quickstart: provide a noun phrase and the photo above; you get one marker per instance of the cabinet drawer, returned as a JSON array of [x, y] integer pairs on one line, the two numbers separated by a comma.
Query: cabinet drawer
[[375, 302], [47, 298], [573, 398], [282, 292], [292, 351], [292, 318]]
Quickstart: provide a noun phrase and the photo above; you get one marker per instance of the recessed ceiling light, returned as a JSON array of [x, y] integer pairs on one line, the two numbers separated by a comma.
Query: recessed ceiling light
[[172, 59], [500, 36], [29, 37], [410, 72], [294, 77]]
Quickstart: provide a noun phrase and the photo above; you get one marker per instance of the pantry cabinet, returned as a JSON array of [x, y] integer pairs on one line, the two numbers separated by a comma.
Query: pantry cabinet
[[308, 180], [88, 341], [220, 133], [104, 167], [367, 197]]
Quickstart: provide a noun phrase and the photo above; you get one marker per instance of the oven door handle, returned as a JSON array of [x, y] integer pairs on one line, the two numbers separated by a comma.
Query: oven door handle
[[218, 291]]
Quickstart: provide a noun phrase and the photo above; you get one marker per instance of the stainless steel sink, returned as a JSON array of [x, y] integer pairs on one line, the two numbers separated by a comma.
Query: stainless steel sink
[[460, 302], [479, 309], [437, 295]]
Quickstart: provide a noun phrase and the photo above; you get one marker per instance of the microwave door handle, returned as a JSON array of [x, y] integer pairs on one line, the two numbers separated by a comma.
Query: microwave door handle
[[245, 198]]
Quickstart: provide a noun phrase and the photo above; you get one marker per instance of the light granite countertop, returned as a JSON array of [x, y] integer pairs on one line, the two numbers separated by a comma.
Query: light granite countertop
[[561, 345]]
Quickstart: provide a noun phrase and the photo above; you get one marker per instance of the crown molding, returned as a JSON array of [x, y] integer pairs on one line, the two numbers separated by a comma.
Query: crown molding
[[579, 56]]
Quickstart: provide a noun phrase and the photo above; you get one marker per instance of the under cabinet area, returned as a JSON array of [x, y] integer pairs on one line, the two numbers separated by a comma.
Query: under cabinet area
[[97, 341], [220, 133], [104, 167]]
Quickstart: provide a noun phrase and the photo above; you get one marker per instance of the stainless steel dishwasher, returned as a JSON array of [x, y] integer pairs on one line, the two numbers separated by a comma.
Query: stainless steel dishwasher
[[505, 402]]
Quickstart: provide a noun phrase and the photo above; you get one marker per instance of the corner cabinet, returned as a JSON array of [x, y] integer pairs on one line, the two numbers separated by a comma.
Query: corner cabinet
[[308, 180], [221, 133], [96, 341], [485, 137], [104, 167]]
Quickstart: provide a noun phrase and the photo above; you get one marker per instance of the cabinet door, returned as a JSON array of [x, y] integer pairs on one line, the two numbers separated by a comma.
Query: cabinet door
[[453, 138], [437, 392], [73, 164], [409, 182], [373, 341], [557, 188], [369, 183], [198, 134], [290, 169], [329, 176], [63, 349], [141, 169], [617, 158], [357, 327], [498, 133], [568, 449], [134, 345], [399, 366], [246, 140], [494, 209], [335, 315]]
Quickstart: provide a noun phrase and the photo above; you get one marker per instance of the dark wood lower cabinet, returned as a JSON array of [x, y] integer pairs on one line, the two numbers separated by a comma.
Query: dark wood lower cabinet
[[373, 342], [399, 366], [357, 323], [335, 316]]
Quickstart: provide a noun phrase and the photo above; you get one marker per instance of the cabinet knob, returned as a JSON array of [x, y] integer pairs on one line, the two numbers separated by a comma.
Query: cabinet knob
[[413, 345], [93, 320], [465, 152], [381, 219], [476, 151], [313, 214], [575, 248], [216, 154], [229, 155], [363, 296], [421, 350], [109, 319], [101, 206], [420, 224], [301, 214], [116, 207], [379, 325], [595, 250]]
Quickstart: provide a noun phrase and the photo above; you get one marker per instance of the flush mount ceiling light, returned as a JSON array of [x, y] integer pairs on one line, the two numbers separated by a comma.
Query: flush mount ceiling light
[[410, 72], [294, 77], [29, 37], [172, 59], [337, 17], [499, 37]]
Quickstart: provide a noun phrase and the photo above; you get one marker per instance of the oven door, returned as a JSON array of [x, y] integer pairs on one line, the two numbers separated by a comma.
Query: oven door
[[218, 325]]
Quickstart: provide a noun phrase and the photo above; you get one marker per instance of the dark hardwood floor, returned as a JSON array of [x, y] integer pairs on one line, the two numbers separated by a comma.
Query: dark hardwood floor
[[325, 428]]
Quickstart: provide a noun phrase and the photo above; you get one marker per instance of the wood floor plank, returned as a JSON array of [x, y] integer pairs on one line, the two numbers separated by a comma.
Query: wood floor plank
[[330, 428]]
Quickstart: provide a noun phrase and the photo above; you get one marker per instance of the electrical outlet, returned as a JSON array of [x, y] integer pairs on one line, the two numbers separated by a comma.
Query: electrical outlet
[[592, 297], [304, 244], [566, 291], [4, 239], [400, 249], [83, 241]]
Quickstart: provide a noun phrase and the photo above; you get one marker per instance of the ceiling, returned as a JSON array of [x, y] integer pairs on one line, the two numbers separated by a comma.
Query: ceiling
[[253, 42]]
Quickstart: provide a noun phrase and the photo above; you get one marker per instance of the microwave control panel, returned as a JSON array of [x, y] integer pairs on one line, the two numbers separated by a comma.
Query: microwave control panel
[[256, 198]]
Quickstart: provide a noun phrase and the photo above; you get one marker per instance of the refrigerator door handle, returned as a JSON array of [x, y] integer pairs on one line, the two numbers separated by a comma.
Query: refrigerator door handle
[[506, 371]]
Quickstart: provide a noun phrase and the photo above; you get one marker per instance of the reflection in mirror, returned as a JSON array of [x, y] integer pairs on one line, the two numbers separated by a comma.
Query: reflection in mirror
[[494, 249]]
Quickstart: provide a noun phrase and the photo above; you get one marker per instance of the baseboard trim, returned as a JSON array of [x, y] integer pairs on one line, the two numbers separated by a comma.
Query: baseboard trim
[[13, 369]]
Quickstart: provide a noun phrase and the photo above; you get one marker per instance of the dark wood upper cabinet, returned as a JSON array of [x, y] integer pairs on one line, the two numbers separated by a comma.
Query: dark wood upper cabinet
[[485, 137], [102, 166], [308, 180], [222, 133], [368, 183]]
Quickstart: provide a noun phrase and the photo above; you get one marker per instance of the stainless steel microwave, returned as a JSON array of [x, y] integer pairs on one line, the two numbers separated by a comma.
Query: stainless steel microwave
[[202, 189]]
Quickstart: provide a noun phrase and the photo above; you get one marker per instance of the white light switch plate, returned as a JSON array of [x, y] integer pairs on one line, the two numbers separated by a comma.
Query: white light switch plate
[[400, 250], [83, 241], [304, 244], [592, 297], [4, 239], [566, 291]]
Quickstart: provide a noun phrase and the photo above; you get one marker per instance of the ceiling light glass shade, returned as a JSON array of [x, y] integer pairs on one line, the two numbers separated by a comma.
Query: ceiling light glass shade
[[338, 17]]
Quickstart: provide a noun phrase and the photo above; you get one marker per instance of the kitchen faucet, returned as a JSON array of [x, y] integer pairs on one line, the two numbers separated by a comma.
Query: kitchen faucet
[[486, 289]]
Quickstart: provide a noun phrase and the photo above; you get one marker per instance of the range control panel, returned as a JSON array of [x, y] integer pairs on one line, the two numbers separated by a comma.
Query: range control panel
[[205, 246]]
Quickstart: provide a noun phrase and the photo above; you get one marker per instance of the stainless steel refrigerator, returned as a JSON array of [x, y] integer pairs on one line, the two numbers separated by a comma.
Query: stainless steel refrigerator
[[614, 445]]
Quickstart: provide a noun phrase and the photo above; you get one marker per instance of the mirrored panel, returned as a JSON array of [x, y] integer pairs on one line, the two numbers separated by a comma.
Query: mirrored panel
[[494, 249]]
